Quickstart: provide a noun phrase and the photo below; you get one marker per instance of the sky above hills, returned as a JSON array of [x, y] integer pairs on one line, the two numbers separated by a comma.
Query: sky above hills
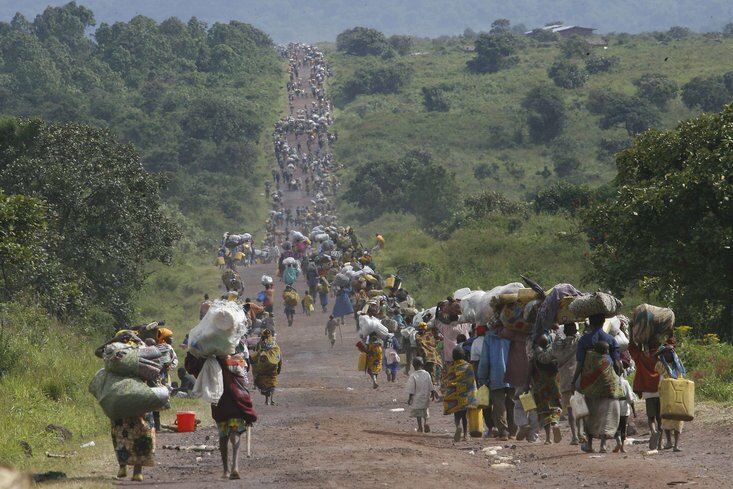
[[322, 20]]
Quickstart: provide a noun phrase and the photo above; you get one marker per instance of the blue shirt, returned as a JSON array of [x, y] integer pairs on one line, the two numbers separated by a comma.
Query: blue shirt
[[588, 341], [492, 365]]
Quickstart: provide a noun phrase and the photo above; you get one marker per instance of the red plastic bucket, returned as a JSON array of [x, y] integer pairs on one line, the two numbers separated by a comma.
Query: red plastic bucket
[[186, 421]]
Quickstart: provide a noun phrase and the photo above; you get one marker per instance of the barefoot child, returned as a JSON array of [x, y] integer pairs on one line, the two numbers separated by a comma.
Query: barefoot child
[[392, 360], [421, 391], [331, 326], [546, 391], [460, 392], [307, 303], [627, 408], [669, 366]]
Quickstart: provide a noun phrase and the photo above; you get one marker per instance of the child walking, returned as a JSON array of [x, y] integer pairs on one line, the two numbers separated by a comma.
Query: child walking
[[421, 391], [669, 366], [546, 391], [460, 392], [627, 408], [392, 360], [331, 326], [307, 303]]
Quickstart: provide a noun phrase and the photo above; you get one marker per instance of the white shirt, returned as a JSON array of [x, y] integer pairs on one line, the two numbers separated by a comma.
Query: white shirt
[[420, 385], [630, 397], [476, 348]]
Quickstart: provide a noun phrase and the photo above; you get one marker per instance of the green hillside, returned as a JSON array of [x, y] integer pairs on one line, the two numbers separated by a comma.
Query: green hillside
[[484, 137]]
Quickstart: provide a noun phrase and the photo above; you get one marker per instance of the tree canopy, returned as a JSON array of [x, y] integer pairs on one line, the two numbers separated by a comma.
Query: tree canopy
[[93, 215], [669, 228]]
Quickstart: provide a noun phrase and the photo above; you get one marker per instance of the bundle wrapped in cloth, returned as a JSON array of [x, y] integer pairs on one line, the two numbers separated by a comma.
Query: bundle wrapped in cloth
[[217, 334], [123, 397], [651, 322], [479, 306], [369, 325], [594, 304], [266, 280], [220, 330], [128, 361]]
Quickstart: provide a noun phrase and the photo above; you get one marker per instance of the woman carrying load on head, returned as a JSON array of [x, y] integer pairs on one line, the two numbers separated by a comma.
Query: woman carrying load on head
[[234, 412], [596, 377], [267, 364], [426, 348], [374, 358], [133, 438]]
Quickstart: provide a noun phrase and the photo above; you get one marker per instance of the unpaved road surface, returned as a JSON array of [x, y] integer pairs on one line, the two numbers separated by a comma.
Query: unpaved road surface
[[330, 429]]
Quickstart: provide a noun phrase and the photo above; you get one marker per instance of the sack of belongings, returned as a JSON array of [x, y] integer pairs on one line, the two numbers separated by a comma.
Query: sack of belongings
[[128, 361], [124, 397], [266, 280], [219, 331], [370, 325], [651, 322], [593, 304]]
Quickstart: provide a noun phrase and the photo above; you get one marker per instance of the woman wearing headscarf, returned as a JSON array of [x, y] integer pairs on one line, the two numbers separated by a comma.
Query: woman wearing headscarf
[[426, 348], [374, 358], [267, 364], [133, 439]]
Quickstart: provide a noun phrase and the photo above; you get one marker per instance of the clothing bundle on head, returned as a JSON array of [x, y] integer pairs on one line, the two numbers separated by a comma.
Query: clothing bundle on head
[[217, 334]]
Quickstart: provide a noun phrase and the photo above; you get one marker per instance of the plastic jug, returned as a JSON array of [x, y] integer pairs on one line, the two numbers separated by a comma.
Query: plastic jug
[[527, 400], [475, 422], [677, 398], [186, 421], [361, 364]]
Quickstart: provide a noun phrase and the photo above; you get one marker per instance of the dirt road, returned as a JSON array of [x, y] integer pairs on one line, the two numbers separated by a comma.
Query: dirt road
[[331, 429]]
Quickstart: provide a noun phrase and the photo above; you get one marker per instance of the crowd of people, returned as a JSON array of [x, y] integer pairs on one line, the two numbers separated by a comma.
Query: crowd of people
[[510, 363]]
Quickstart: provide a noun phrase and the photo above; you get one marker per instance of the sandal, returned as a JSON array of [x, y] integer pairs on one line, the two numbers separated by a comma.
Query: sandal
[[137, 477], [427, 429], [122, 473], [234, 475]]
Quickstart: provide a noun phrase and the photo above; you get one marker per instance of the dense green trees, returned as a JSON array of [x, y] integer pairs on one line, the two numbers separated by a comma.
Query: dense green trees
[[495, 52], [362, 41], [566, 74], [617, 109], [545, 113], [435, 99], [656, 88], [415, 183], [104, 213], [374, 77], [669, 227], [192, 98], [709, 94]]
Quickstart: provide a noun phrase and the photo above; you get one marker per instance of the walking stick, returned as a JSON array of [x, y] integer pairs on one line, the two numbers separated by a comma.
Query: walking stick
[[249, 441]]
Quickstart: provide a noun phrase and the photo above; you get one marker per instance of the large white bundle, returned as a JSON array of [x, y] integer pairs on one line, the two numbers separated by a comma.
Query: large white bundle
[[246, 236], [369, 325], [219, 331], [290, 261], [476, 306], [266, 280], [460, 294], [296, 236], [470, 306], [409, 333], [320, 238], [422, 314]]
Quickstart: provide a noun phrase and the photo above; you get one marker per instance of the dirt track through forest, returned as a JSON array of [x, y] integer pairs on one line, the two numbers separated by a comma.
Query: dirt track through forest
[[330, 429]]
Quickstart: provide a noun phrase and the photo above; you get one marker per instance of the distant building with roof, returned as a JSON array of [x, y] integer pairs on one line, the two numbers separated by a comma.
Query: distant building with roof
[[566, 30]]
